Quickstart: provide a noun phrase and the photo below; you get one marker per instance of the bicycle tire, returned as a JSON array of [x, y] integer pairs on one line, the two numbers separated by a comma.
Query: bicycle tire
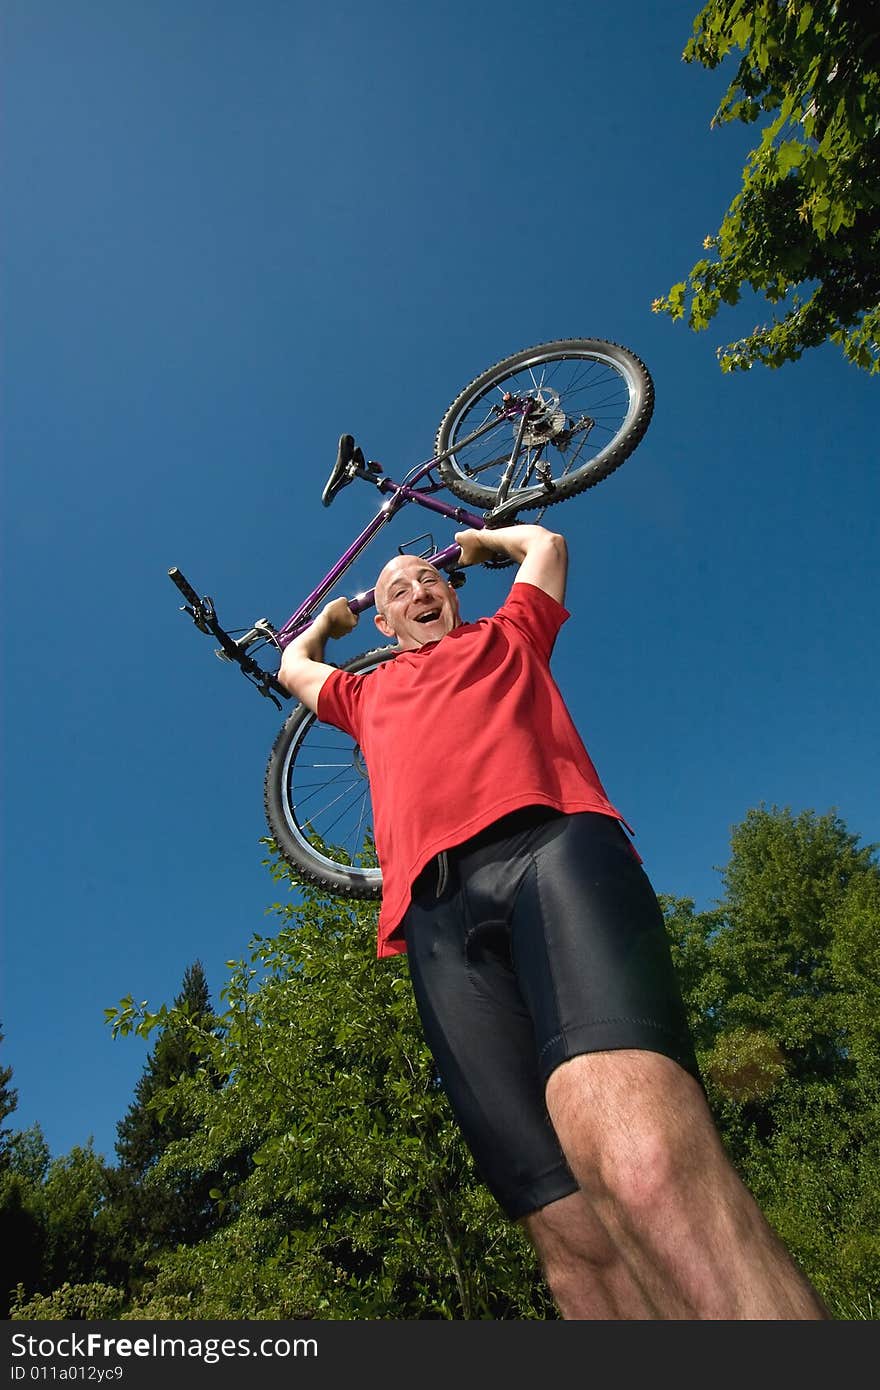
[[598, 381], [299, 820]]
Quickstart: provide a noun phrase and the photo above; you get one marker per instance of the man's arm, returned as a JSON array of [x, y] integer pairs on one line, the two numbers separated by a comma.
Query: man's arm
[[303, 670], [542, 554]]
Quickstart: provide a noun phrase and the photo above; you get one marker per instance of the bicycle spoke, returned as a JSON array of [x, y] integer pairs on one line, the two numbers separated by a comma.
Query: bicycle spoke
[[563, 391], [327, 807], [334, 823], [317, 821], [359, 836], [323, 787]]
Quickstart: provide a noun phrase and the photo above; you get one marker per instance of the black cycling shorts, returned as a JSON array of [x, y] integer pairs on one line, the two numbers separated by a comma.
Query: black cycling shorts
[[538, 939]]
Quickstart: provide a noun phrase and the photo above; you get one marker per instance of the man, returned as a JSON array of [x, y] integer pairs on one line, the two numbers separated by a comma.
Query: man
[[538, 953]]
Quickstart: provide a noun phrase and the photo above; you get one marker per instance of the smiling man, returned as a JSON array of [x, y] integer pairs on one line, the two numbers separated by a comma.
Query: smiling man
[[423, 607], [538, 952]]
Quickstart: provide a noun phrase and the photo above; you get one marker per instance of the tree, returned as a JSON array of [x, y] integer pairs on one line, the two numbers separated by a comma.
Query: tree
[[23, 1162], [22, 1238], [144, 1133], [804, 230], [8, 1103], [84, 1231], [72, 1196], [147, 1210], [783, 981], [53, 1235], [361, 1201], [49, 1213], [28, 1155]]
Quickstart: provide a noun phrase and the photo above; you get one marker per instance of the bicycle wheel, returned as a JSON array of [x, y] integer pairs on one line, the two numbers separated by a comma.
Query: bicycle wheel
[[317, 798], [590, 404]]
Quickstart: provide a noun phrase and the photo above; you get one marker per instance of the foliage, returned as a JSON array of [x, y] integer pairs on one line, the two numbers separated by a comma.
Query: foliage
[[69, 1201], [341, 1188], [49, 1217], [21, 1238], [24, 1158], [362, 1201], [149, 1209], [8, 1103], [79, 1302], [787, 1012], [73, 1223], [143, 1133], [28, 1155], [804, 231]]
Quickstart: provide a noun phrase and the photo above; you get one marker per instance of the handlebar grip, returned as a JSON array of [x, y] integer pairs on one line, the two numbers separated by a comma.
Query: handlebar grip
[[447, 558], [183, 585]]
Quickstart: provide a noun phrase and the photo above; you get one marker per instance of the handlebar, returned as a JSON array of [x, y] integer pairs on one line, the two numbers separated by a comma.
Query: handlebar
[[184, 586], [201, 610]]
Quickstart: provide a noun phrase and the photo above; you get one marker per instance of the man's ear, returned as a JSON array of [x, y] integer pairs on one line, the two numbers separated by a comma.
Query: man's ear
[[383, 627]]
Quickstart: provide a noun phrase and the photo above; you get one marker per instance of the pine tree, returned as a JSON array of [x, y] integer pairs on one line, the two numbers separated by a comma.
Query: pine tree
[[149, 1210], [22, 1238], [8, 1103]]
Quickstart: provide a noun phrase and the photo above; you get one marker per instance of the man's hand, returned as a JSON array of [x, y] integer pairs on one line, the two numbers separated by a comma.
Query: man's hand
[[474, 550], [303, 670], [337, 618], [541, 554]]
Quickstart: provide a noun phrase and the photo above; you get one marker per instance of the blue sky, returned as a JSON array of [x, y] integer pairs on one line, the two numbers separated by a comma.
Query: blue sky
[[233, 232]]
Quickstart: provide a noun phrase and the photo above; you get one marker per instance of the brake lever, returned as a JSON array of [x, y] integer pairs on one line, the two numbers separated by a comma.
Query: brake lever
[[204, 615]]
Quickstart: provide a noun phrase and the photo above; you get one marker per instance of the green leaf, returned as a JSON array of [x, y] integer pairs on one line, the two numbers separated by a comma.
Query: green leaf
[[805, 18], [815, 64], [790, 155]]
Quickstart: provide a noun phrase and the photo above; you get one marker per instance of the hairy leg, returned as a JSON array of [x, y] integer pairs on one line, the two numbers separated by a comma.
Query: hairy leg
[[582, 1264], [641, 1142]]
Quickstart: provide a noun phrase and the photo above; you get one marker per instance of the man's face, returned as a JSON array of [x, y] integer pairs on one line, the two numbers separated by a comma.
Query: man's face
[[415, 603]]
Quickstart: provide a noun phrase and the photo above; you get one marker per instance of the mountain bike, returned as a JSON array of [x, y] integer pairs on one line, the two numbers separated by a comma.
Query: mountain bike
[[536, 428]]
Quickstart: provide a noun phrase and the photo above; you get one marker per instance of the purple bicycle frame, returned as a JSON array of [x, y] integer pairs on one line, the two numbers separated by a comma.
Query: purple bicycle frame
[[202, 611], [401, 494]]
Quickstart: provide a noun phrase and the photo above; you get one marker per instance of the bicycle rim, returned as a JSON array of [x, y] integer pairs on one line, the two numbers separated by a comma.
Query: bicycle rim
[[317, 798], [590, 404]]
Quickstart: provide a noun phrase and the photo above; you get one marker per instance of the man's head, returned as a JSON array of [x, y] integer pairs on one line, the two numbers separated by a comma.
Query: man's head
[[414, 603]]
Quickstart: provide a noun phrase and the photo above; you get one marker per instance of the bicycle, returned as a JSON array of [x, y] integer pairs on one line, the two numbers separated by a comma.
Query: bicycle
[[538, 427]]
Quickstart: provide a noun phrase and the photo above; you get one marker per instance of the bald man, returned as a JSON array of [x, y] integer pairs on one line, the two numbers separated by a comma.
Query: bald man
[[537, 950]]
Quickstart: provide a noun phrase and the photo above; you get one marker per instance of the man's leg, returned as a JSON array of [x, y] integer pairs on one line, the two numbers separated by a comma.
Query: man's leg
[[583, 1266], [592, 959], [665, 1224]]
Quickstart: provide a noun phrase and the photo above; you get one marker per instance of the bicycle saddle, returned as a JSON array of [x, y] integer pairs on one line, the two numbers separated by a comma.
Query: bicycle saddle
[[349, 458]]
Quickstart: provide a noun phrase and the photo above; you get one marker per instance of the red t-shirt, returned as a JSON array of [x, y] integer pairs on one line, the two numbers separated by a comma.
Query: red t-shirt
[[457, 734]]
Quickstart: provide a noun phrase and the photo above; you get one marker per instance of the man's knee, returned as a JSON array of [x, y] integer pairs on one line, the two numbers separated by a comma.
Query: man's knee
[[634, 1126]]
